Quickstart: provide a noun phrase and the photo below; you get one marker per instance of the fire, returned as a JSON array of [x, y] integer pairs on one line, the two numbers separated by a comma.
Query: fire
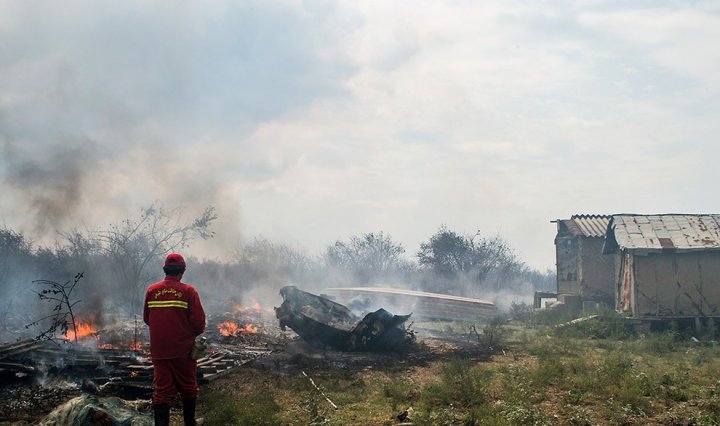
[[229, 328], [82, 329]]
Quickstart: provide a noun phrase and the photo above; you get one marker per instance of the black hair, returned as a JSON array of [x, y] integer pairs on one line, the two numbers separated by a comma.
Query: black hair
[[173, 270]]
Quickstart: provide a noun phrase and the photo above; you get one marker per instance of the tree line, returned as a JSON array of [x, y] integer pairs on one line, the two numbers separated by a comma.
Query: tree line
[[121, 260]]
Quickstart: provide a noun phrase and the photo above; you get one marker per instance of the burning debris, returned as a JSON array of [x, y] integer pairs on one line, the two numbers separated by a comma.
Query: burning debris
[[232, 329], [108, 361], [324, 323]]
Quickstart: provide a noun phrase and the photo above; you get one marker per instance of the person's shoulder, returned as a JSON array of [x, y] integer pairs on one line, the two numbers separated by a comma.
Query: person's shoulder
[[155, 285], [189, 287]]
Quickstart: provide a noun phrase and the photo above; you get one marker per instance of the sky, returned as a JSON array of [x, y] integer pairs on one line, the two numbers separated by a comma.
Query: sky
[[307, 122]]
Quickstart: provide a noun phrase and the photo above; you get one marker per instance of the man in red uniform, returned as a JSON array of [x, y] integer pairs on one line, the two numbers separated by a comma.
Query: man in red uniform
[[176, 317]]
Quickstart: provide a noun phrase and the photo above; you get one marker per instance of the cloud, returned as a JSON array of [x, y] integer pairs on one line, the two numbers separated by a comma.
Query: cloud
[[310, 121]]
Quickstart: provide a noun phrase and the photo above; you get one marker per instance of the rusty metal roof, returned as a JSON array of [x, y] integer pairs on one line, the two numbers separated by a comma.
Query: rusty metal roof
[[585, 225], [644, 234]]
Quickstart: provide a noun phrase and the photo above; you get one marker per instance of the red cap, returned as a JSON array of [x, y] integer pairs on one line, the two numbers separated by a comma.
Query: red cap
[[174, 259]]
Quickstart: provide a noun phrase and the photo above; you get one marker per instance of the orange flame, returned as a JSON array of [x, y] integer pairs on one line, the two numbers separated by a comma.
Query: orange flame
[[229, 328], [81, 330]]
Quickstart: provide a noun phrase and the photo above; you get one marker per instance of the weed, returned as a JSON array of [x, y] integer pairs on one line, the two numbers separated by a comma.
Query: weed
[[677, 394], [255, 409], [614, 368], [398, 392], [547, 371], [494, 335], [646, 385], [525, 414], [629, 393], [575, 397], [436, 416], [579, 416], [312, 406], [660, 343], [518, 385], [544, 349], [623, 413], [487, 415]]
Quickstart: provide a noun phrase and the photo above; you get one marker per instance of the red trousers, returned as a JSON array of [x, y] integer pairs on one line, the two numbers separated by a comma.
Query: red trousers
[[173, 376]]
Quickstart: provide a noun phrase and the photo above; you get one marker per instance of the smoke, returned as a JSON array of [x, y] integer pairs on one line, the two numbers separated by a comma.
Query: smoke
[[104, 111], [50, 186]]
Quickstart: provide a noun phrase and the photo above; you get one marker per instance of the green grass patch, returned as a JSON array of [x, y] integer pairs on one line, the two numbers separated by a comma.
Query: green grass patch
[[256, 409]]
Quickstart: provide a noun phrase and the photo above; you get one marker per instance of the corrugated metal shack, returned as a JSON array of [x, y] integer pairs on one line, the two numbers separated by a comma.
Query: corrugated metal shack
[[582, 270], [669, 265]]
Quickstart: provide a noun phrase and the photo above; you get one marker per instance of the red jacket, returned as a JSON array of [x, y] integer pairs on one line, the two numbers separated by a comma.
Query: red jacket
[[175, 316]]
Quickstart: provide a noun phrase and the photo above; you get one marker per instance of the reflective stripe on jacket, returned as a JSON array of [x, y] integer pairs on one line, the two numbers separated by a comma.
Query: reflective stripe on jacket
[[175, 315]]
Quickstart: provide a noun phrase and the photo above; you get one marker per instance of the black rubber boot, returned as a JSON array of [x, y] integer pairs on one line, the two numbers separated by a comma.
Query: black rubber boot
[[189, 412], [162, 415]]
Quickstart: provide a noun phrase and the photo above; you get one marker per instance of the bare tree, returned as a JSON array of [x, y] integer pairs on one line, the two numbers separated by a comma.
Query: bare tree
[[261, 259], [368, 256], [62, 317], [133, 244]]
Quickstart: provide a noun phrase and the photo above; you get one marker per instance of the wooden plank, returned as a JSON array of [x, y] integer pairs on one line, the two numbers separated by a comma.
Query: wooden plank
[[13, 349], [214, 376], [139, 367], [16, 367]]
